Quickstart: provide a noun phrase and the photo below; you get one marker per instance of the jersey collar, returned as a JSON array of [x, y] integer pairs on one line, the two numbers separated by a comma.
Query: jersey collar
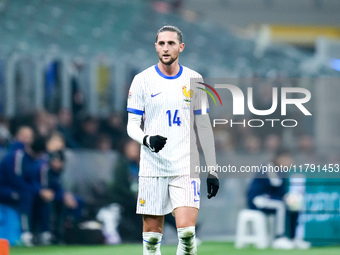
[[169, 77]]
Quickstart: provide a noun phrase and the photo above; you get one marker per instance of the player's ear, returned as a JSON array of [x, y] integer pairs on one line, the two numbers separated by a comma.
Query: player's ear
[[181, 47]]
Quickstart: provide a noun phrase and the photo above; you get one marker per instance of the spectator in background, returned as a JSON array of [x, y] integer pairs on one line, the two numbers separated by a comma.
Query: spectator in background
[[306, 150], [115, 128], [306, 144], [252, 145], [239, 133], [55, 142], [124, 190], [104, 142], [23, 137], [18, 186], [87, 135], [64, 203], [44, 123], [5, 135], [223, 139], [267, 194], [65, 127], [272, 143]]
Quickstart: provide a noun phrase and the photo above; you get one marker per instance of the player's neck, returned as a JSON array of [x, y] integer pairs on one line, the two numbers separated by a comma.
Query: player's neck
[[169, 70]]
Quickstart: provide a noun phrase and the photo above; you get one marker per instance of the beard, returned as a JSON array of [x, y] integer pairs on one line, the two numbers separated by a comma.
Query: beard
[[169, 61]]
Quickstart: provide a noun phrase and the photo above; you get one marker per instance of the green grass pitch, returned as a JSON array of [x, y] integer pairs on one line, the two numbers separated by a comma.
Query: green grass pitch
[[206, 248]]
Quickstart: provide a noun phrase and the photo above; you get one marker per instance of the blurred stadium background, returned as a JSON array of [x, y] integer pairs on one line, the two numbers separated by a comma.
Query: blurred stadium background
[[78, 57]]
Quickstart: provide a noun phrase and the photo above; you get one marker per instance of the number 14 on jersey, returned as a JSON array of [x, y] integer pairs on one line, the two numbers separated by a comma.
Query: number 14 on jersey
[[175, 120]]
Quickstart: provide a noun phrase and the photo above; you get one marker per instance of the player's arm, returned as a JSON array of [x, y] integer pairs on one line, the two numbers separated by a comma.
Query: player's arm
[[206, 139], [7, 166], [154, 143]]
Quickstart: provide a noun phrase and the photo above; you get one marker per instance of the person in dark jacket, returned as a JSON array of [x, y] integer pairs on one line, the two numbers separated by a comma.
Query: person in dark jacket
[[267, 194], [124, 190], [18, 171], [63, 205]]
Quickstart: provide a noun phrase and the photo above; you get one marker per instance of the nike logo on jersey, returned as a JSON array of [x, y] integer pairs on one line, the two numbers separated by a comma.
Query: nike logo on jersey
[[153, 95]]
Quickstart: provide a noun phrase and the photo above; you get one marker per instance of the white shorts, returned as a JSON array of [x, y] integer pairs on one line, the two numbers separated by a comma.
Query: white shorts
[[161, 195]]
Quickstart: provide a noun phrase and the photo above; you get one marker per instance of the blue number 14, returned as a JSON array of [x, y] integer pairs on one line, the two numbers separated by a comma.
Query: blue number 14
[[196, 191], [175, 120]]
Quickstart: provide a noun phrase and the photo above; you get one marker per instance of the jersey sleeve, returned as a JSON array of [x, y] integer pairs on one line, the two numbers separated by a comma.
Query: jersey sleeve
[[136, 102], [201, 104]]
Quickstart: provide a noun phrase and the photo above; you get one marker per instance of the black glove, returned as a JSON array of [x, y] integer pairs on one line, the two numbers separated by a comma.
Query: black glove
[[154, 143], [213, 185]]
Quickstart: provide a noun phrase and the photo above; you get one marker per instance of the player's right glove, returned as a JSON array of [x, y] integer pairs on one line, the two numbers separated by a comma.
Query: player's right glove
[[154, 143], [213, 185]]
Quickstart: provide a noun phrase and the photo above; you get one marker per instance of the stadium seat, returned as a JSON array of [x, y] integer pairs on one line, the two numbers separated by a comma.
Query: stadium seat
[[9, 224], [253, 227]]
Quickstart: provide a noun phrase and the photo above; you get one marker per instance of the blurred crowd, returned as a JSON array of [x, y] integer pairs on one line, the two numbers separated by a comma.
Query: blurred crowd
[[79, 132], [30, 182], [32, 163]]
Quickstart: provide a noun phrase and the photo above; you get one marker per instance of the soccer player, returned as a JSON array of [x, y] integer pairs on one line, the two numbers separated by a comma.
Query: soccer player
[[171, 105]]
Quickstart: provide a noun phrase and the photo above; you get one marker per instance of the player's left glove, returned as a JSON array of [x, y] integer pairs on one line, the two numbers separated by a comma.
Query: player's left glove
[[154, 143], [213, 185]]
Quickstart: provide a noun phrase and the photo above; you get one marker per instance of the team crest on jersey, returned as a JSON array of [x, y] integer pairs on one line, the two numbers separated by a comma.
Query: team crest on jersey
[[141, 201], [188, 94], [129, 96]]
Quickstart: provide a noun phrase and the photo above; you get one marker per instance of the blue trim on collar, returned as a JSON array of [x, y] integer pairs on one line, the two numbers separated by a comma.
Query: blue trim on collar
[[169, 77]]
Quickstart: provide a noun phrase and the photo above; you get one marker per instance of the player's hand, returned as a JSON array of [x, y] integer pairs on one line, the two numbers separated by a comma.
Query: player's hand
[[70, 201], [154, 143], [213, 185], [47, 195]]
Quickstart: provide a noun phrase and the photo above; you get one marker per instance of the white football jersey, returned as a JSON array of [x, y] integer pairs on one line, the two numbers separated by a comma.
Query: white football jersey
[[168, 105]]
